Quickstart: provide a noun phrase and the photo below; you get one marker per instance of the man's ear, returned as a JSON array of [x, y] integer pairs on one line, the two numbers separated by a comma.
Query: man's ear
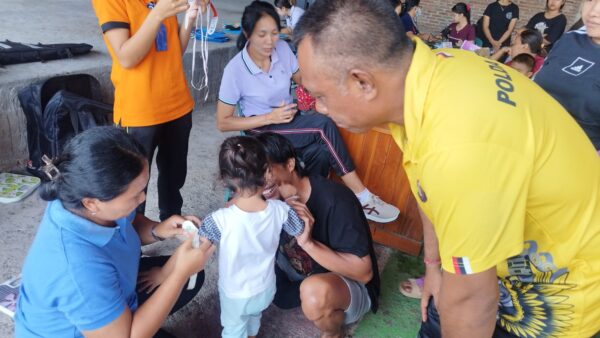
[[291, 165], [363, 82]]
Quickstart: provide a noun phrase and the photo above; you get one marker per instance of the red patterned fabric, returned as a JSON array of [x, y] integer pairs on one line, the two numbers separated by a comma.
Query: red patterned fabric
[[305, 100]]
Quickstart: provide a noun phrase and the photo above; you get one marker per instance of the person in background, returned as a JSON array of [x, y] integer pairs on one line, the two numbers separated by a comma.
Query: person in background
[[257, 82], [571, 73], [291, 13], [551, 23], [152, 99], [460, 29], [524, 64], [411, 15], [528, 41], [499, 21], [81, 272]]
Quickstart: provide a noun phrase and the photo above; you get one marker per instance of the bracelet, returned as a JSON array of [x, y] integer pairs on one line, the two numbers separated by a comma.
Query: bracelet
[[436, 261], [154, 235]]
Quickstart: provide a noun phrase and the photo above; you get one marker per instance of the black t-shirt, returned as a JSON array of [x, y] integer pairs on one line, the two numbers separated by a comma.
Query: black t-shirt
[[571, 74], [500, 17], [551, 29], [340, 224]]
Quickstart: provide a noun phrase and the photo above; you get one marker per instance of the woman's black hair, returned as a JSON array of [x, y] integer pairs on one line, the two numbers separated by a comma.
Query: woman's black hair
[[98, 163], [284, 3], [533, 38], [252, 13], [243, 164], [410, 4], [280, 150], [464, 9]]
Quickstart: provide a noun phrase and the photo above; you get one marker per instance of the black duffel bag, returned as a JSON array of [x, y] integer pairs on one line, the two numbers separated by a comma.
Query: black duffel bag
[[15, 52]]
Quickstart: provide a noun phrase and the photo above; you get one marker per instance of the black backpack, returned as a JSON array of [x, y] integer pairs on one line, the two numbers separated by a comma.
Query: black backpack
[[57, 109], [15, 52]]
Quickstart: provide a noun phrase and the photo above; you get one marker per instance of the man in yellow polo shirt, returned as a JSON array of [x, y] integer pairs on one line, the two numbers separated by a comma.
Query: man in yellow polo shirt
[[152, 100], [507, 183]]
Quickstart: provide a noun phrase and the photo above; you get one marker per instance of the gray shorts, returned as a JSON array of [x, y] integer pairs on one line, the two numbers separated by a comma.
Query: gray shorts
[[360, 302]]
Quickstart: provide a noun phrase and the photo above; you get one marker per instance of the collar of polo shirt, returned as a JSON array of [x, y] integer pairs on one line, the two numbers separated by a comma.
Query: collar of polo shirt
[[251, 66], [92, 232]]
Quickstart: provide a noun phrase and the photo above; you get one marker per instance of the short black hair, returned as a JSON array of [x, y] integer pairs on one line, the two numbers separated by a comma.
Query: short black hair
[[280, 150], [284, 3], [533, 38], [243, 164], [410, 4], [99, 163], [464, 9], [252, 13], [343, 32], [525, 59]]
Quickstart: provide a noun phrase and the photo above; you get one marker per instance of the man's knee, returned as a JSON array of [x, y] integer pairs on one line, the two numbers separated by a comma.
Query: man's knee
[[318, 294]]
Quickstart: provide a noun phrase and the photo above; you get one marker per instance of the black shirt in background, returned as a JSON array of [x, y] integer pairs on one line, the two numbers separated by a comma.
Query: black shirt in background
[[552, 29], [341, 225], [500, 17]]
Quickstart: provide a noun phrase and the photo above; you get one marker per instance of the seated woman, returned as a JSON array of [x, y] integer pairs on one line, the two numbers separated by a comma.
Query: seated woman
[[460, 29], [528, 41], [412, 12], [258, 80], [80, 275], [291, 13]]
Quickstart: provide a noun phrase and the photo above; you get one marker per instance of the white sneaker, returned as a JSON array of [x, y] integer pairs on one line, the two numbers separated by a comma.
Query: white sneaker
[[378, 211]]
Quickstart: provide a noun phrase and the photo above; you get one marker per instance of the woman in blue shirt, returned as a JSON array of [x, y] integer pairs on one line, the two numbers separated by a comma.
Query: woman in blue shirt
[[80, 275]]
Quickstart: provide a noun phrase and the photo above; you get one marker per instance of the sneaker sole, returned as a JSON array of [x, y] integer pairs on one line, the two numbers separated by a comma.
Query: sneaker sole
[[382, 220]]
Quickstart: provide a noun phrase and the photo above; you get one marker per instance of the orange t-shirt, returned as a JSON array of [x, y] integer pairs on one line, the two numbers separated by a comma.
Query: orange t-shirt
[[155, 91]]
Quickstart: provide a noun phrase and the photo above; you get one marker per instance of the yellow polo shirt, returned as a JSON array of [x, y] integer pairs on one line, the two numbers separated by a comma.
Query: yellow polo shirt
[[509, 180], [155, 91]]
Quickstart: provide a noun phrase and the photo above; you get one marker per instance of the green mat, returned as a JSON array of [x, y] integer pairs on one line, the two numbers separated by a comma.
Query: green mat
[[398, 316]]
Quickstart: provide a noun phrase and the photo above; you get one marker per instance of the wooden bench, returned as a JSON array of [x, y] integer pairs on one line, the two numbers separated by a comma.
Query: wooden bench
[[378, 163]]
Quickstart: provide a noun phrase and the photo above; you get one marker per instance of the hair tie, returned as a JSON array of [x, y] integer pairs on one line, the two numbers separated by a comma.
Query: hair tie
[[468, 7], [50, 169]]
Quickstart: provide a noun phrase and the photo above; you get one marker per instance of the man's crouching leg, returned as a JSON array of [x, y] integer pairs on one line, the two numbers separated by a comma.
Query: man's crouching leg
[[324, 299]]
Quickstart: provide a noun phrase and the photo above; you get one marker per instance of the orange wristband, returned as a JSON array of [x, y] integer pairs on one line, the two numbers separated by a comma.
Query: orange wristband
[[436, 261]]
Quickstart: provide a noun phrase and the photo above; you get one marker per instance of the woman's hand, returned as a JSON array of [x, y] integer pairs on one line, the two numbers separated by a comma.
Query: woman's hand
[[168, 8], [192, 11], [150, 279], [171, 227], [190, 260], [282, 114]]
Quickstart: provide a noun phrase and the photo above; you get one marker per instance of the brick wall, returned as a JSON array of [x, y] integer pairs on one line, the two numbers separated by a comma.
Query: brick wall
[[437, 14]]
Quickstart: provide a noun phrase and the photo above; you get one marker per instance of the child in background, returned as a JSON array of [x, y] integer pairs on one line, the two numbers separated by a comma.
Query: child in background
[[248, 235], [524, 63]]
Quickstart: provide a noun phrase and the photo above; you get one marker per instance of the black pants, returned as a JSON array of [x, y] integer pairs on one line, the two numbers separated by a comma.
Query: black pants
[[317, 141], [432, 328], [171, 139], [147, 263]]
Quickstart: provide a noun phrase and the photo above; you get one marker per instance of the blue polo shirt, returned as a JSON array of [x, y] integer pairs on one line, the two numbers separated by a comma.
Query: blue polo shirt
[[77, 276], [258, 92]]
